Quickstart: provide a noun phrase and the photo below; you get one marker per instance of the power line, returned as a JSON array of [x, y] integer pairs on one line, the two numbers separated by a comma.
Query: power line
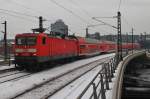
[[104, 23], [26, 7], [19, 13], [86, 12], [83, 10], [68, 10], [23, 18]]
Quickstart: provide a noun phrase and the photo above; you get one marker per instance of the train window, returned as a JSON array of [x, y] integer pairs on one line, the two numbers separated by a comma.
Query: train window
[[44, 40], [21, 41], [31, 40], [26, 40]]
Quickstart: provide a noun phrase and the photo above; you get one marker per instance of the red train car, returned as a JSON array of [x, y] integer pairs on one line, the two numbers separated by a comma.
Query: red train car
[[88, 47], [129, 46], [107, 46]]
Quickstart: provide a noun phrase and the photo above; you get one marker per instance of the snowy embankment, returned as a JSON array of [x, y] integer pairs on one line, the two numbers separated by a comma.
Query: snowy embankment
[[111, 85], [11, 89], [74, 89]]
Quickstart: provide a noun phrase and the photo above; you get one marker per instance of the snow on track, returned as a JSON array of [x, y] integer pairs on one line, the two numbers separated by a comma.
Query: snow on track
[[55, 85], [18, 87], [75, 88], [14, 76]]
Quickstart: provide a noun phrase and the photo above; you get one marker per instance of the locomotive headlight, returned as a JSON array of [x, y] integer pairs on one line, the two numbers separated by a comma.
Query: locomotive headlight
[[32, 50], [18, 50]]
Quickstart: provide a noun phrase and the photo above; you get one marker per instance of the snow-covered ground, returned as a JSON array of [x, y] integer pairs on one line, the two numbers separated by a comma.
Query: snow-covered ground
[[111, 85], [17, 87], [73, 90], [3, 67], [16, 75], [56, 84]]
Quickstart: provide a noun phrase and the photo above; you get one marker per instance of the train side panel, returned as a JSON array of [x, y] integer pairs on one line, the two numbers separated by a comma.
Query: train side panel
[[87, 47], [62, 48]]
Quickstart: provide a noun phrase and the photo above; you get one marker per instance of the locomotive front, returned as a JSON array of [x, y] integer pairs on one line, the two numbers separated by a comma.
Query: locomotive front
[[25, 49]]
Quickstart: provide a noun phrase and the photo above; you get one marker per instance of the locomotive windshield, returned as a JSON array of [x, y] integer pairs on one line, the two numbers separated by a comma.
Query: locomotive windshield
[[26, 40]]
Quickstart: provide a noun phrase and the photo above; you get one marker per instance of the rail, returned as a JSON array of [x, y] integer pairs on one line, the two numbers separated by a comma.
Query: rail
[[100, 83]]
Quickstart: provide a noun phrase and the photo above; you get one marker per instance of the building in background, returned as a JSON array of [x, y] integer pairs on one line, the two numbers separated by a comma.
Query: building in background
[[96, 35], [59, 28]]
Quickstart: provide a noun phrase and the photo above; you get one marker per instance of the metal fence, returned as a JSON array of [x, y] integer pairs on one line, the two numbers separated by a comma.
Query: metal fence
[[100, 83]]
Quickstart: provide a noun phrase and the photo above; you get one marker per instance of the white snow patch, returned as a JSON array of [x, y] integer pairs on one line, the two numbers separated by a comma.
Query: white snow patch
[[7, 67], [11, 89], [73, 90]]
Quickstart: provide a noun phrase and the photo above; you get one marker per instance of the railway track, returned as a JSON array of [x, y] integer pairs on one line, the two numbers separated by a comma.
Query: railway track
[[11, 74], [49, 88], [7, 70]]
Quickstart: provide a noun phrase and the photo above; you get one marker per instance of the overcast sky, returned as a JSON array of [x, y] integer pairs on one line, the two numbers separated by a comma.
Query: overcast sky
[[135, 13]]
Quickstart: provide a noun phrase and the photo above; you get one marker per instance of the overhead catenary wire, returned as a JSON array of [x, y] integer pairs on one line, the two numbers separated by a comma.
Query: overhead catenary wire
[[86, 12], [27, 7], [104, 23], [70, 11], [18, 13], [81, 8], [20, 17]]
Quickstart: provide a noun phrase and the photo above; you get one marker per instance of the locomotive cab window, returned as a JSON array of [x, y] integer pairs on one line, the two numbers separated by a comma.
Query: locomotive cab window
[[44, 40], [31, 40], [26, 40], [20, 41]]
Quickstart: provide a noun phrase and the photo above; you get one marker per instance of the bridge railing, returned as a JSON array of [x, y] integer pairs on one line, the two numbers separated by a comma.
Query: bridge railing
[[100, 83]]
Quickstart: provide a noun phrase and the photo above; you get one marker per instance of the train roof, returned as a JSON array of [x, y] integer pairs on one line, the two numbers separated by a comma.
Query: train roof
[[87, 40], [107, 42], [30, 34], [47, 35]]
